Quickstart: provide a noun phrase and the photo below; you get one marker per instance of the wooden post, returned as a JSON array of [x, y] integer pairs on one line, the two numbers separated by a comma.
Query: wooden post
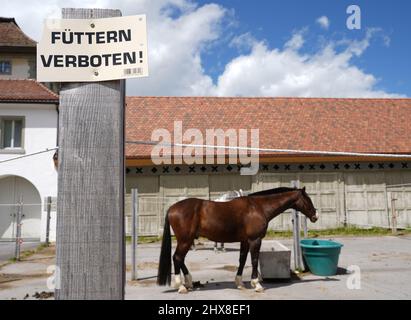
[[134, 233], [90, 220], [298, 259], [48, 220], [394, 214], [19, 217], [305, 226]]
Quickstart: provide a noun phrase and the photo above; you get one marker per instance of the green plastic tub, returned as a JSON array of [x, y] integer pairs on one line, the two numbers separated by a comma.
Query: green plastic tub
[[321, 256]]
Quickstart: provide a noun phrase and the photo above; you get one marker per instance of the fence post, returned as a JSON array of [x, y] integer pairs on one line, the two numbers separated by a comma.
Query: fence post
[[18, 228], [305, 227], [90, 244], [394, 214], [298, 260], [387, 207], [48, 220], [134, 233]]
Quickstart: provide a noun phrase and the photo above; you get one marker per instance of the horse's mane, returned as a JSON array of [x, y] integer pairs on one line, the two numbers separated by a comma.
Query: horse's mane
[[272, 191]]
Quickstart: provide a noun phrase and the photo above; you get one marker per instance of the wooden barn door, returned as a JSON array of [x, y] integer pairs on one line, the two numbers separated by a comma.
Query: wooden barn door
[[326, 192], [366, 198], [402, 192], [149, 205]]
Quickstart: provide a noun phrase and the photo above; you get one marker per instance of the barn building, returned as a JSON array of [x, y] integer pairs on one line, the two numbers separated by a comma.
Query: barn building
[[346, 190]]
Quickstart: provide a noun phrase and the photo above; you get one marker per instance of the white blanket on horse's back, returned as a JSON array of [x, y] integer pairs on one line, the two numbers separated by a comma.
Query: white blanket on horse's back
[[230, 195]]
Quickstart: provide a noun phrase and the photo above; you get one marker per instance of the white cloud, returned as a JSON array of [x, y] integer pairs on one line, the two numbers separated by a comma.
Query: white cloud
[[275, 72], [386, 40], [175, 47], [324, 22], [179, 32], [243, 41], [296, 42]]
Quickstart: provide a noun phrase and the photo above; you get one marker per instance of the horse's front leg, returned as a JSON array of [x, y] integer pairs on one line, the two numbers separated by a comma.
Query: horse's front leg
[[243, 257], [255, 246]]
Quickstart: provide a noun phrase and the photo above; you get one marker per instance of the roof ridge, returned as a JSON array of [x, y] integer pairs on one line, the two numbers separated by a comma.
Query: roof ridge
[[44, 87], [23, 41], [6, 19], [23, 33], [267, 98]]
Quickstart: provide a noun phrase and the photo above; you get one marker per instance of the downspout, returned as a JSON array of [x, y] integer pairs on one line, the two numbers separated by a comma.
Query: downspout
[[56, 154]]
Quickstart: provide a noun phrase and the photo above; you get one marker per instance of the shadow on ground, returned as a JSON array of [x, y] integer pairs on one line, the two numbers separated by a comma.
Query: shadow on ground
[[267, 284]]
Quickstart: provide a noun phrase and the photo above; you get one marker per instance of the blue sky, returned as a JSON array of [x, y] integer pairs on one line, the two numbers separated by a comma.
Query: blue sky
[[274, 21], [260, 47]]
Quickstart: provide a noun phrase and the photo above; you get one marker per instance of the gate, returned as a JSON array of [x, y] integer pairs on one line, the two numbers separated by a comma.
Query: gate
[[12, 189]]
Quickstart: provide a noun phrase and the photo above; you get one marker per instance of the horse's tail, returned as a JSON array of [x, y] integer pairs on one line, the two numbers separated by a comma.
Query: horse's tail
[[164, 267]]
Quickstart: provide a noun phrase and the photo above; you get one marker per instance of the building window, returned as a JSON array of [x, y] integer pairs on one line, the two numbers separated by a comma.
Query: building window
[[5, 67], [12, 133]]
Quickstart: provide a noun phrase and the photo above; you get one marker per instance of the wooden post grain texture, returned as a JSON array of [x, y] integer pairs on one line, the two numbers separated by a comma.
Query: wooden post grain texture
[[90, 216]]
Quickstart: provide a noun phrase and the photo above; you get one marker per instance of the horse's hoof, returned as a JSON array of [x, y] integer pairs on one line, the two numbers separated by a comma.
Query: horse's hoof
[[177, 281], [239, 283], [259, 289], [256, 285], [182, 289], [188, 282]]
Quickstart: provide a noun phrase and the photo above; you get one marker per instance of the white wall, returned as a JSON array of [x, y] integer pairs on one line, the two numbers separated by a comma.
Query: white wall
[[40, 133], [20, 66]]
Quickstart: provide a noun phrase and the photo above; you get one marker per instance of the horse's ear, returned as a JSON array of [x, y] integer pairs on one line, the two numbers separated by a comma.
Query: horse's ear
[[303, 189]]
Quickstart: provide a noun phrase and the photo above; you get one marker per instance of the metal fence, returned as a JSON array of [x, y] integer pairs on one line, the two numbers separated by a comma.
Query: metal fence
[[21, 222]]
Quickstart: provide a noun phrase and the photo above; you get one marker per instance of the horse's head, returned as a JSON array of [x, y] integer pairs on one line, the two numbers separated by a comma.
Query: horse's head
[[305, 205]]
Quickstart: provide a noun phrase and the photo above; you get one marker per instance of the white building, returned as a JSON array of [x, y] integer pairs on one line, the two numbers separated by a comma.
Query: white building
[[17, 52], [28, 124]]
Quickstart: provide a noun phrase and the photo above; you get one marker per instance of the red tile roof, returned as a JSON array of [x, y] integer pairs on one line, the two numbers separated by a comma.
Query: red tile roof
[[12, 36], [26, 91], [325, 124]]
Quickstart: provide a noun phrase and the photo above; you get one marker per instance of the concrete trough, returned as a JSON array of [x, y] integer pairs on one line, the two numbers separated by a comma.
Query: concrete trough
[[275, 259]]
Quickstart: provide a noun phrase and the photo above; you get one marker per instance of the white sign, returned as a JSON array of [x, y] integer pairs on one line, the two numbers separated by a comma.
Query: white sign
[[74, 50]]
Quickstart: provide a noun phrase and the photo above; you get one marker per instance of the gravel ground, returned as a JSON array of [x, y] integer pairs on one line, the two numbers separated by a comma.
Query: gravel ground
[[384, 264]]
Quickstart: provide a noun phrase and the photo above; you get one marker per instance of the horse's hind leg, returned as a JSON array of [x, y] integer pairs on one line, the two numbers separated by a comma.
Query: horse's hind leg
[[178, 259], [188, 279], [243, 258]]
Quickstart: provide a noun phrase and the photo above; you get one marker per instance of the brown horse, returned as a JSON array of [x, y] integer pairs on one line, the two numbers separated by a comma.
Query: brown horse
[[243, 220]]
